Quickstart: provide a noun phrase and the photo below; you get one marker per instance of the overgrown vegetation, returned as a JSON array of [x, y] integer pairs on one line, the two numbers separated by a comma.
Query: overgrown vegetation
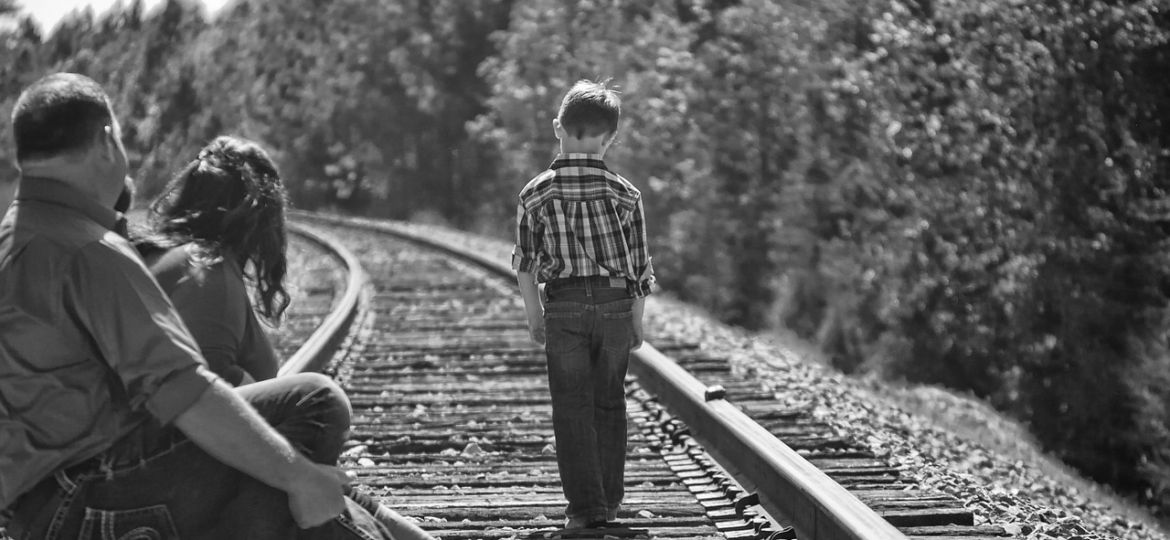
[[971, 193]]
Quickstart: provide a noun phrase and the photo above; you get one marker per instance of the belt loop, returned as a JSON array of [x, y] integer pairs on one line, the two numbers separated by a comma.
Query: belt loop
[[588, 288], [64, 481]]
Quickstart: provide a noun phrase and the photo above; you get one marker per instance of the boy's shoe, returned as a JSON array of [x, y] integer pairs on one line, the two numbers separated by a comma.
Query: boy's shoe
[[583, 523]]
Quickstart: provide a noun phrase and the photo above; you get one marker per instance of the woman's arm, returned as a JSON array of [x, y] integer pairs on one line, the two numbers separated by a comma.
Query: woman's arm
[[213, 303], [257, 356]]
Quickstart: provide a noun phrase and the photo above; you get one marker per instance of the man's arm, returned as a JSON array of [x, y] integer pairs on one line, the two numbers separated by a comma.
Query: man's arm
[[230, 430], [533, 306], [144, 341]]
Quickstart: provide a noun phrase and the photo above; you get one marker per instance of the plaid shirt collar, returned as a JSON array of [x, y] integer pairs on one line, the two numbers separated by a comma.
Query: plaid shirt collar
[[578, 160]]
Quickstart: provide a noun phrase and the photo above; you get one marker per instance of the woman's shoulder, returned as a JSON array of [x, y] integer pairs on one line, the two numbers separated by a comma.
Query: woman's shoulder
[[189, 265]]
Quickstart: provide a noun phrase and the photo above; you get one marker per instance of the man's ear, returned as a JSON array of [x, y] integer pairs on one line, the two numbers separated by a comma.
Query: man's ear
[[558, 129], [109, 142]]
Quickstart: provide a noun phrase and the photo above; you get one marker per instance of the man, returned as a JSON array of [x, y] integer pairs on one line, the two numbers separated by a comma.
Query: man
[[110, 422]]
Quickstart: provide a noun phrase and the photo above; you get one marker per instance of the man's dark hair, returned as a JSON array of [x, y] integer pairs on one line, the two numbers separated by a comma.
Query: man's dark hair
[[59, 113], [590, 109]]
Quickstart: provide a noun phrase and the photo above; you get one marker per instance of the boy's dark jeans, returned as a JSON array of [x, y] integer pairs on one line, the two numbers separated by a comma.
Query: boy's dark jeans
[[589, 332], [157, 484]]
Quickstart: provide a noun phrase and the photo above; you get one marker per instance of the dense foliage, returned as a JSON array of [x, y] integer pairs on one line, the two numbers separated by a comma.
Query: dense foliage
[[971, 193]]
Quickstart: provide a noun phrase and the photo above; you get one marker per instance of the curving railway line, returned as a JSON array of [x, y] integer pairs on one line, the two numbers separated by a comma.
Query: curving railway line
[[452, 424]]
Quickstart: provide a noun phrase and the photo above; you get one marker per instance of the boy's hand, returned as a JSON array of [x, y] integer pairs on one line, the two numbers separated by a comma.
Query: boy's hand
[[637, 335], [638, 309], [533, 305], [536, 330]]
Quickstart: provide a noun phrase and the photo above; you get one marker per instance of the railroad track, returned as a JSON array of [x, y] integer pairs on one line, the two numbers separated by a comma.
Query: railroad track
[[318, 282], [452, 424]]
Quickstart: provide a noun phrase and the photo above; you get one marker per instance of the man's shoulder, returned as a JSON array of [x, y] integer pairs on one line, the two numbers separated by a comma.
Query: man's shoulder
[[45, 223], [39, 234]]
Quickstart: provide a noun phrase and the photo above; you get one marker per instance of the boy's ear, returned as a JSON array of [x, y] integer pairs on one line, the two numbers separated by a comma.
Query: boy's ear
[[558, 128]]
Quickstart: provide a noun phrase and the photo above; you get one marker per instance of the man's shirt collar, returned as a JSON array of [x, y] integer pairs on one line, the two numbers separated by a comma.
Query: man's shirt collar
[[56, 192]]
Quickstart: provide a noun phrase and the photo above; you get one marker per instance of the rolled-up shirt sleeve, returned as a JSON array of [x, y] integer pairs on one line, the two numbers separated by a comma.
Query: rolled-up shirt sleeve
[[525, 256], [137, 330]]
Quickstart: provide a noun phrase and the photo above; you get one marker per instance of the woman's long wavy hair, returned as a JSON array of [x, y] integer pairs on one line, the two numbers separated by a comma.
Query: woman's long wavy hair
[[230, 202]]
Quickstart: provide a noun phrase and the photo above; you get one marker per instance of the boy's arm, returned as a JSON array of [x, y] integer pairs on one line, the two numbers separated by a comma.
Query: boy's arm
[[639, 307], [533, 306], [643, 269], [524, 261]]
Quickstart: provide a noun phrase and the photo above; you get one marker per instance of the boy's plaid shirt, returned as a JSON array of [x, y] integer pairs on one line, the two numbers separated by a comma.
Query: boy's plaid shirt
[[579, 219]]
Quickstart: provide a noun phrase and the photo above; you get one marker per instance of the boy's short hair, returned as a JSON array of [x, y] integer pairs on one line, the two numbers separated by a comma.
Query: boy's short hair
[[590, 109], [57, 114]]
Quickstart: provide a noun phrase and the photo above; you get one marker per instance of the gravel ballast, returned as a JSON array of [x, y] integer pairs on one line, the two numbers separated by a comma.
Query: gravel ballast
[[1021, 490]]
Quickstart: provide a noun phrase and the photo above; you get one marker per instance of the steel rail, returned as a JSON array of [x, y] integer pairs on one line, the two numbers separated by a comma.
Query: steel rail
[[788, 486], [319, 348]]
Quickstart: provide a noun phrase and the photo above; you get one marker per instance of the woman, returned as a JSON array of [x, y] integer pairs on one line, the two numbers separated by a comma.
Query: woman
[[220, 223]]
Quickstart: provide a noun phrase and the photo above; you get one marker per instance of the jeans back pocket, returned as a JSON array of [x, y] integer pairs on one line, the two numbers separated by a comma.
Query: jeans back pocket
[[149, 523]]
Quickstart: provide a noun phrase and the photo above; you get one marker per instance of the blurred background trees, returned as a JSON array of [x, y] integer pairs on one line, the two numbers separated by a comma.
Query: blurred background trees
[[967, 193]]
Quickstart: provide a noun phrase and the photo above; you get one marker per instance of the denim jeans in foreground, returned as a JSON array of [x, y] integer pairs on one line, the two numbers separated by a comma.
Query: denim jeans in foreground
[[589, 334], [155, 483]]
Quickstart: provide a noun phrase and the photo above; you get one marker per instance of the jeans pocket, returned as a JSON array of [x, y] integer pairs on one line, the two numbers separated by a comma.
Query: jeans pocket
[[618, 333], [149, 523], [565, 328]]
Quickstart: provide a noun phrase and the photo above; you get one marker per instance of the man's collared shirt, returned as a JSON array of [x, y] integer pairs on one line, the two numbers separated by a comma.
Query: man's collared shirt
[[90, 347], [579, 219]]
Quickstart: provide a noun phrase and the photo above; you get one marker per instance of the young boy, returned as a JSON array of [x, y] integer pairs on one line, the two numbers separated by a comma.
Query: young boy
[[581, 231]]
